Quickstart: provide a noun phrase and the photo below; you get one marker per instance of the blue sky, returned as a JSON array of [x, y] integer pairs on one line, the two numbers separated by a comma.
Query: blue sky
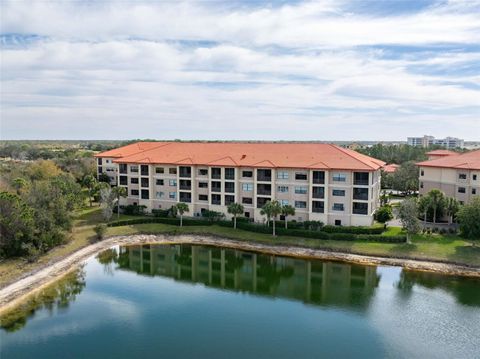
[[323, 70]]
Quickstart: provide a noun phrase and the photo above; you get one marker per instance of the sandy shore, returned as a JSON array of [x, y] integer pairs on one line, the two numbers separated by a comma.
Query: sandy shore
[[14, 293]]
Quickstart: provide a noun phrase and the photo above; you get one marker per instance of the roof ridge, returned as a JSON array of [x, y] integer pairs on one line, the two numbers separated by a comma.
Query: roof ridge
[[162, 144], [344, 150]]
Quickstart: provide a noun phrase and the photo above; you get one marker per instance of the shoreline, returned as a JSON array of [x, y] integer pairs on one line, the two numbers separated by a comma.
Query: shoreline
[[16, 292]]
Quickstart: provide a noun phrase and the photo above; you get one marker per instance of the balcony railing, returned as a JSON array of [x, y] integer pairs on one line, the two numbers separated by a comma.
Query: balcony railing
[[318, 210], [361, 196], [264, 178], [186, 187], [360, 211], [264, 192], [360, 182], [216, 189], [215, 201]]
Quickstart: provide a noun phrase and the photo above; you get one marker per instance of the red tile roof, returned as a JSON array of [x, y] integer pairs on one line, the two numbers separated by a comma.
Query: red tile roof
[[442, 153], [468, 161], [390, 168], [267, 155]]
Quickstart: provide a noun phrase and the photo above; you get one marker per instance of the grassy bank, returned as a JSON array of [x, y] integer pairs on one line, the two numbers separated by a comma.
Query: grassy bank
[[433, 247]]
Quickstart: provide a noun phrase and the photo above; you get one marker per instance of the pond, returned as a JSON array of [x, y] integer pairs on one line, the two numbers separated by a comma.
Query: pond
[[186, 301]]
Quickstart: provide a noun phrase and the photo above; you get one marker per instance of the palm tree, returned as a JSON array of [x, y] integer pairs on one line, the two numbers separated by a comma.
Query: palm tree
[[452, 206], [181, 208], [119, 192], [287, 210], [437, 199], [424, 204], [265, 211], [92, 184], [235, 209], [272, 209]]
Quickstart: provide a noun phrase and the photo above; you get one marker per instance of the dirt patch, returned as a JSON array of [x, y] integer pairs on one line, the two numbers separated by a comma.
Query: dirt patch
[[14, 293]]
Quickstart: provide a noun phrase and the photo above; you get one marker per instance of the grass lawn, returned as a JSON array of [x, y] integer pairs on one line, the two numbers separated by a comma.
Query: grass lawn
[[428, 247]]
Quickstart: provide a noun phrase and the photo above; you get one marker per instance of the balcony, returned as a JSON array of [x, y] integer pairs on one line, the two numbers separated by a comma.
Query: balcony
[[185, 172], [318, 177], [230, 187], [360, 208], [264, 175], [360, 194], [318, 192], [122, 168], [360, 178], [186, 185]]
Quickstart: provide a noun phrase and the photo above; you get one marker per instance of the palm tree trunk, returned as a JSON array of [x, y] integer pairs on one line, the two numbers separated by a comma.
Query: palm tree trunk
[[273, 222], [235, 222], [118, 208], [434, 215], [181, 220], [286, 222], [425, 218]]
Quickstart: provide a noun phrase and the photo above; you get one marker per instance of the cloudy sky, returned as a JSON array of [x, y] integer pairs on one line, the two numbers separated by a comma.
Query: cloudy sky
[[323, 70]]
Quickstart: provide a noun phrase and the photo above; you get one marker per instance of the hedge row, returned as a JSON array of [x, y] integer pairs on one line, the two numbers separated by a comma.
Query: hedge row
[[266, 230]]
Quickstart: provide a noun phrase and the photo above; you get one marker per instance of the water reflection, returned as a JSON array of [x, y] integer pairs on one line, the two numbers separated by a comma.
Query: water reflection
[[465, 290], [56, 296], [310, 281]]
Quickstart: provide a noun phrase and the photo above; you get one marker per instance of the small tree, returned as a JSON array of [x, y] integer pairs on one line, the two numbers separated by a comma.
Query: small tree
[[119, 192], [235, 209], [424, 205], [107, 200], [469, 219], [451, 206], [437, 202], [274, 208], [384, 214], [265, 211], [100, 230], [20, 184], [287, 210], [181, 208], [92, 186], [408, 215]]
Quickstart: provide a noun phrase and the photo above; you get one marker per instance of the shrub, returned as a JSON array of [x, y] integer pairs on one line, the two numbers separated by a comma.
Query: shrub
[[133, 210], [384, 214], [384, 239], [160, 212], [100, 230], [213, 216], [353, 230]]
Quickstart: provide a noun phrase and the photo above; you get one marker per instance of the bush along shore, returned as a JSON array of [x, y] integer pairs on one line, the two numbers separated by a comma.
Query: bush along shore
[[372, 234]]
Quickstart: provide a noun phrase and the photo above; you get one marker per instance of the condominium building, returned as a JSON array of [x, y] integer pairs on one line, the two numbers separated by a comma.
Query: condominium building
[[457, 175], [323, 182], [426, 141]]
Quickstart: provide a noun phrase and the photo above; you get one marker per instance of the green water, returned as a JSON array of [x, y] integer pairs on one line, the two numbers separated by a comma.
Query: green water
[[182, 301]]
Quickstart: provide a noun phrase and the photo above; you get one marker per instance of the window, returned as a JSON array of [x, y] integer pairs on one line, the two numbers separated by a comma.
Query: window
[[134, 169], [203, 197], [203, 172], [462, 176], [172, 183], [360, 178], [202, 184], [300, 190], [461, 190], [264, 175], [300, 176], [216, 186], [159, 182], [339, 177], [100, 170], [230, 187], [247, 174], [99, 161], [229, 173], [172, 170], [282, 189], [360, 193], [122, 167], [186, 184], [144, 170], [338, 222], [185, 172], [216, 199], [172, 195], [264, 189], [318, 192], [284, 202], [422, 173], [247, 187], [216, 173], [360, 208], [185, 197], [134, 180], [134, 192], [108, 161], [123, 180], [474, 191], [318, 177], [145, 194], [318, 207], [300, 204], [338, 207], [159, 194], [261, 201], [282, 175], [338, 192], [144, 182], [474, 177], [229, 199], [247, 200], [159, 170], [421, 184]]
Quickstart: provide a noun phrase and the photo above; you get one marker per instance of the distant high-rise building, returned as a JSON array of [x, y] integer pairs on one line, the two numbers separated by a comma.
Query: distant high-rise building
[[426, 141]]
